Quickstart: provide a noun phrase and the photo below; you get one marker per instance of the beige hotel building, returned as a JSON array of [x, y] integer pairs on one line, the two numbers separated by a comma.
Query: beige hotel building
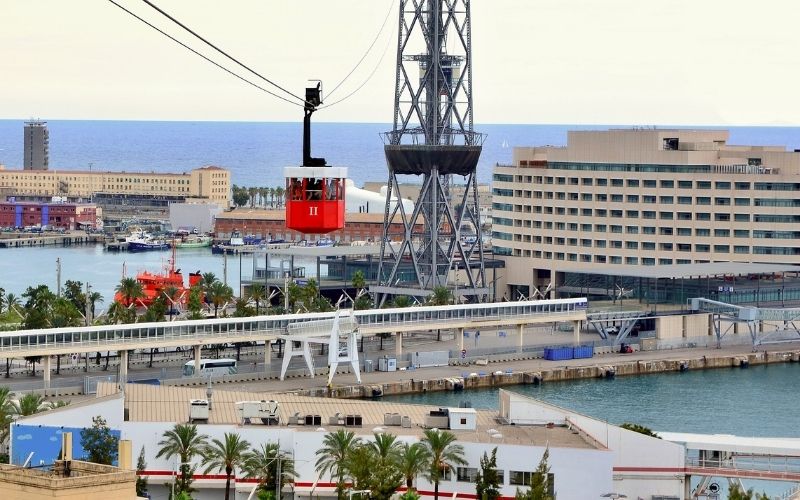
[[639, 198]]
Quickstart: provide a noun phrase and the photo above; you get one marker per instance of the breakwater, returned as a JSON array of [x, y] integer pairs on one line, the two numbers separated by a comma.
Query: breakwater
[[595, 369]]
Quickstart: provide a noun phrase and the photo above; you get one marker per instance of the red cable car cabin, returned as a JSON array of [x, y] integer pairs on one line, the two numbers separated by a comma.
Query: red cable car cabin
[[315, 199]]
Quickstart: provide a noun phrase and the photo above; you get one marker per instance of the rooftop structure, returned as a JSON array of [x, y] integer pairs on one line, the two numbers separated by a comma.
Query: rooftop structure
[[642, 198], [72, 479]]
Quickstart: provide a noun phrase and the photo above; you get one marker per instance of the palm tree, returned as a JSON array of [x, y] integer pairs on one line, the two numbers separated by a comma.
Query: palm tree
[[440, 296], [226, 455], [402, 301], [279, 193], [414, 460], [94, 298], [183, 442], [386, 448], [7, 409], [333, 455], [130, 289], [30, 404], [257, 294], [444, 453], [262, 464], [12, 303], [219, 293]]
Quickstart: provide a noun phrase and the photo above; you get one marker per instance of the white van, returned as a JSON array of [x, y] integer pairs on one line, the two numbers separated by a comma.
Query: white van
[[211, 367]]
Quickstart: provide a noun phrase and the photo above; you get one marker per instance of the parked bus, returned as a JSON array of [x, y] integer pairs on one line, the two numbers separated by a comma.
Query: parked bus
[[211, 367]]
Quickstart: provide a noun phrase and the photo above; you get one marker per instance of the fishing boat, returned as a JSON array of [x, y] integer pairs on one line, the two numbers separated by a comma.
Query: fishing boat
[[194, 241], [155, 284], [140, 241]]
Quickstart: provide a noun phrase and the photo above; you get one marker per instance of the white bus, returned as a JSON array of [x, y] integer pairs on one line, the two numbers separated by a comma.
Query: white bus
[[211, 367]]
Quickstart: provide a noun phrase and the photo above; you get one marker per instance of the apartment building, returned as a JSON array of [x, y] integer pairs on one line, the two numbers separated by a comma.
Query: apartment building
[[210, 183], [643, 197]]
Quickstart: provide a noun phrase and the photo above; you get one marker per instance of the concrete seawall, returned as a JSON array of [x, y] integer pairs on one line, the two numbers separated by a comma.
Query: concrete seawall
[[594, 368]]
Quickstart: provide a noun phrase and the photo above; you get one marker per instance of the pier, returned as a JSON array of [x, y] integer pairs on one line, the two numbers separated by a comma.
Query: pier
[[22, 240]]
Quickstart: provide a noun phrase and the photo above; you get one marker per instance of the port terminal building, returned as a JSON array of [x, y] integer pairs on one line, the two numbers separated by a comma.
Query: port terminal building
[[615, 206]]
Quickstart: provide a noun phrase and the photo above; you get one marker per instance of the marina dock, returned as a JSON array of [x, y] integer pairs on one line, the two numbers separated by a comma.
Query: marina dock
[[21, 240]]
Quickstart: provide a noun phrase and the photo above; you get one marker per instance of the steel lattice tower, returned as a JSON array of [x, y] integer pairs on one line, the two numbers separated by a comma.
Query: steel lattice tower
[[432, 137]]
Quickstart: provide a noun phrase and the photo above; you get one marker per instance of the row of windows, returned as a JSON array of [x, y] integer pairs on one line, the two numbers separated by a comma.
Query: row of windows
[[662, 200], [652, 183], [662, 215]]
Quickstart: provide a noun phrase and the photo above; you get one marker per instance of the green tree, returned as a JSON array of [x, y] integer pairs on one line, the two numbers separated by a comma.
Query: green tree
[[240, 196], [243, 308], [73, 292], [30, 404], [38, 304], [383, 466], [414, 460], [141, 480], [130, 289], [218, 294], [333, 455], [487, 482], [12, 303], [736, 493], [100, 445], [208, 279], [184, 442], [156, 311], [540, 487], [94, 298], [225, 455], [402, 301], [262, 464], [195, 303], [279, 195], [257, 294], [440, 296], [64, 313], [640, 429], [444, 453], [7, 411]]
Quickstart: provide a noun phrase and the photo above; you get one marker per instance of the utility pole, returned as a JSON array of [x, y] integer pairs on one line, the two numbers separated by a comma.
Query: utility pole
[[58, 276], [286, 292], [88, 304], [225, 267]]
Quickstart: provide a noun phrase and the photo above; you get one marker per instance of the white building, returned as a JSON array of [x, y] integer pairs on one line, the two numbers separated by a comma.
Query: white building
[[588, 458]]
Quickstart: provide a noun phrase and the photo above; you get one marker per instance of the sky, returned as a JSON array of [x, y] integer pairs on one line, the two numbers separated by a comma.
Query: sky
[[635, 62]]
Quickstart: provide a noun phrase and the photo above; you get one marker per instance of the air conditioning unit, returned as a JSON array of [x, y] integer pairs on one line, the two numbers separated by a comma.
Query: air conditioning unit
[[266, 411], [198, 410]]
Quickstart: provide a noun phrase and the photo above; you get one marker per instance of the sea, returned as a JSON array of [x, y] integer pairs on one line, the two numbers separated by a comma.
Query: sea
[[256, 152]]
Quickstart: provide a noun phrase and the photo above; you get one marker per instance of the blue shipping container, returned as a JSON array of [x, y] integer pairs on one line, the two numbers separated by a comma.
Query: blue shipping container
[[583, 351]]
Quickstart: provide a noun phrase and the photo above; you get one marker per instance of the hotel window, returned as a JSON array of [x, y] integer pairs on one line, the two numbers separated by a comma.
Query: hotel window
[[572, 257], [632, 183], [703, 200], [665, 231], [722, 201], [600, 228], [633, 198], [586, 228], [573, 181], [648, 199], [741, 249], [586, 242], [702, 216], [586, 181], [615, 244], [741, 233], [684, 215], [586, 212], [648, 245], [585, 257], [617, 183], [741, 202], [572, 226], [703, 184], [665, 200], [684, 247], [722, 185], [602, 182], [648, 214], [667, 184], [632, 261], [600, 243], [722, 248], [572, 211], [600, 259], [648, 261], [573, 196], [616, 228], [685, 184], [742, 186], [683, 261], [561, 180], [559, 255], [722, 217], [632, 245], [632, 229], [722, 233], [665, 246], [573, 242], [616, 214], [601, 197], [648, 230], [702, 232], [649, 183], [632, 214], [702, 248], [665, 215], [586, 197], [615, 259], [741, 217]]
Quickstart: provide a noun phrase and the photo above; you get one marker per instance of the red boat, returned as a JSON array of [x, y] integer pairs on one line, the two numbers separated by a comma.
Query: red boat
[[154, 285]]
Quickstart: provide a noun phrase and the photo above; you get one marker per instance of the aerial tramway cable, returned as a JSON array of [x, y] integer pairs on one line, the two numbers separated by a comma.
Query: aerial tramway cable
[[165, 14], [205, 57]]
